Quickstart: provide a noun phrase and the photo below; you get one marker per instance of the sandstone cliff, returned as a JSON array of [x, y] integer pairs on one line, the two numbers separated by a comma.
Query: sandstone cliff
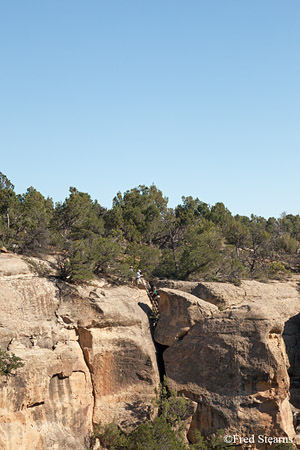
[[88, 355]]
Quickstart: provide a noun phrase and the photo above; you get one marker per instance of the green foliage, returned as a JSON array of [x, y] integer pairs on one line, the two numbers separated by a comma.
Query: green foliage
[[31, 222], [191, 211], [216, 441], [201, 253], [168, 264], [111, 437], [78, 226], [8, 201], [156, 435], [276, 270], [81, 263], [230, 267], [107, 254], [170, 406], [9, 362], [138, 213], [200, 443], [149, 435], [286, 243], [194, 241], [284, 446], [164, 432], [221, 216], [144, 256], [7, 196]]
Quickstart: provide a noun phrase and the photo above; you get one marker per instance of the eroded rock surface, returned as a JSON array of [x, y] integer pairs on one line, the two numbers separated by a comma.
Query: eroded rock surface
[[234, 363], [114, 335], [179, 311], [226, 295], [88, 355]]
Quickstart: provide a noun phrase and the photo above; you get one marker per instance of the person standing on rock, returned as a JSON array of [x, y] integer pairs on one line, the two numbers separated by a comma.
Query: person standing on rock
[[131, 275], [154, 294], [138, 276]]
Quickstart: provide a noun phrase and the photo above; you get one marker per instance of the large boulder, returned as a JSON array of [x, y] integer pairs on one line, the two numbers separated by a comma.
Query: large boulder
[[234, 363], [179, 311]]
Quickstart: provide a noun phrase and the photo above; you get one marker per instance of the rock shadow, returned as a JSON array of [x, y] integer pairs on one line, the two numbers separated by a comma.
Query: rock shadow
[[291, 337], [158, 347], [138, 409]]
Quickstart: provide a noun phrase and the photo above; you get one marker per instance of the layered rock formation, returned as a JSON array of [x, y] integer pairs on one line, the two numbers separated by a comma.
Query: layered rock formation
[[234, 362], [88, 355]]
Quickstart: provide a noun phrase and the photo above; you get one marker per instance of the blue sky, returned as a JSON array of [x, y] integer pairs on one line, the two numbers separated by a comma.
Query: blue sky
[[199, 97]]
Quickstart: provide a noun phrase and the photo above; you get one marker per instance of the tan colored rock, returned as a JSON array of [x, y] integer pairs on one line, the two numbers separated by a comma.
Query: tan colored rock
[[49, 403], [115, 337], [179, 311], [185, 286], [234, 363], [12, 265], [283, 294], [88, 355]]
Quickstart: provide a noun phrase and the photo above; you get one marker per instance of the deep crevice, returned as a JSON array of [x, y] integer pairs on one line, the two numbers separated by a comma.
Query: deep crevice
[[159, 348], [60, 376], [33, 405], [291, 337]]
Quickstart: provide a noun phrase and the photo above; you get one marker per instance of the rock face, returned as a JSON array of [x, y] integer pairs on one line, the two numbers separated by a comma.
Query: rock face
[[178, 313], [113, 333], [88, 355], [234, 363], [226, 295]]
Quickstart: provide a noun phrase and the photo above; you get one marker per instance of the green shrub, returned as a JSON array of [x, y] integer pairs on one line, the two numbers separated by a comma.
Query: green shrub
[[276, 270], [165, 432], [156, 435], [9, 363], [170, 406], [284, 446], [111, 436]]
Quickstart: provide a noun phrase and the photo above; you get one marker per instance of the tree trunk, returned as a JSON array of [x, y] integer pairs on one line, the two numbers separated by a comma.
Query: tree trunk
[[8, 219]]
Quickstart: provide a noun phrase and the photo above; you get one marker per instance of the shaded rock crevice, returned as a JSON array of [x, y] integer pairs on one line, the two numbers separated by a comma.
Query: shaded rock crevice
[[34, 405], [291, 336], [159, 348]]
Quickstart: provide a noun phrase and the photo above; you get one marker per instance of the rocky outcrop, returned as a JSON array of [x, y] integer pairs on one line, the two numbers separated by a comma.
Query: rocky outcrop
[[226, 295], [234, 363], [88, 355], [178, 313]]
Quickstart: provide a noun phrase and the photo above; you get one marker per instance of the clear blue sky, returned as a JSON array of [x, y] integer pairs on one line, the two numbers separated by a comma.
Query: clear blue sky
[[201, 98]]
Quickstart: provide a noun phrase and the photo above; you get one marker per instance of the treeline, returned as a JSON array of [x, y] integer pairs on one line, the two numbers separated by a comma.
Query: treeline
[[190, 242]]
